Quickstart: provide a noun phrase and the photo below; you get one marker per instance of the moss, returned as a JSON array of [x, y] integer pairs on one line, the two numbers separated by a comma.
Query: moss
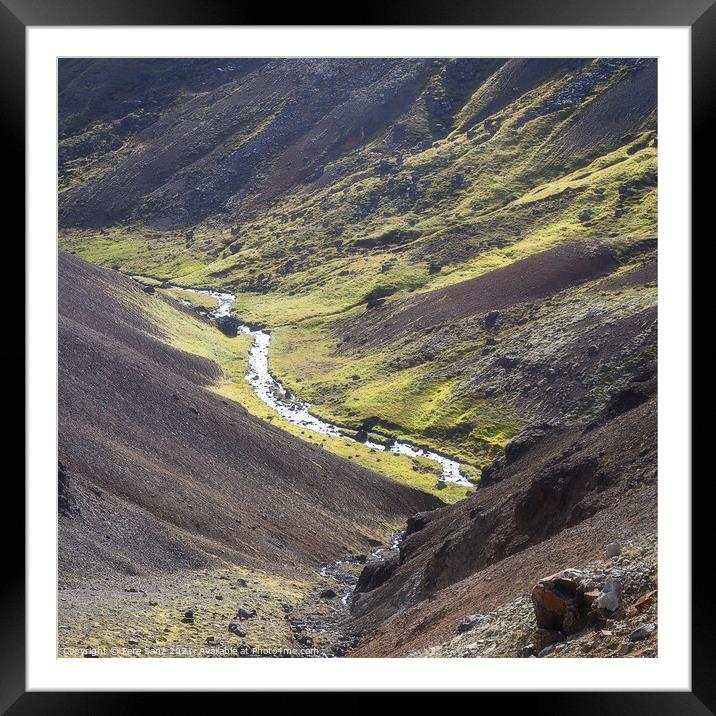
[[201, 338], [470, 199], [195, 299]]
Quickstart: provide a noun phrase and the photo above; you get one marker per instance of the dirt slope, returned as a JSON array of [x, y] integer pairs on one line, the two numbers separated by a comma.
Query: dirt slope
[[542, 274], [158, 471], [554, 501]]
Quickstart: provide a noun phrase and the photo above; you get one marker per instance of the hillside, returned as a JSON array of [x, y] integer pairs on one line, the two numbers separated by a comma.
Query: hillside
[[458, 254], [161, 476], [311, 187], [557, 498]]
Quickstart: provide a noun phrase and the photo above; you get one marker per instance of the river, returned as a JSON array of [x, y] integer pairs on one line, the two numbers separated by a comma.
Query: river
[[291, 408]]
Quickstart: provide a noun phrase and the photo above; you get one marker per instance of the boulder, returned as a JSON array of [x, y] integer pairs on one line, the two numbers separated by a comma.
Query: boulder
[[642, 632], [613, 549], [491, 319], [470, 622], [228, 325], [328, 594], [610, 597], [558, 602], [417, 522]]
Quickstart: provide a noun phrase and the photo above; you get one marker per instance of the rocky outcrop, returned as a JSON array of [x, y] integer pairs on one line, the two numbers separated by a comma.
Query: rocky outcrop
[[66, 503], [559, 603], [556, 479], [376, 573]]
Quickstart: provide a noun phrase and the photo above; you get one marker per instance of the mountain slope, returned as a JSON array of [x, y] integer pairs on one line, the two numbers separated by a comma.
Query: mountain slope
[[557, 499], [458, 253], [315, 188], [165, 474]]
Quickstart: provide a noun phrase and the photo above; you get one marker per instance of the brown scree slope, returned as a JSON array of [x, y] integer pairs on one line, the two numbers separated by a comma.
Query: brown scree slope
[[160, 473]]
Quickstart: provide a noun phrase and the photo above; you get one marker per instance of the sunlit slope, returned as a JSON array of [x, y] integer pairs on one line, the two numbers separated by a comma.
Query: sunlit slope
[[314, 189]]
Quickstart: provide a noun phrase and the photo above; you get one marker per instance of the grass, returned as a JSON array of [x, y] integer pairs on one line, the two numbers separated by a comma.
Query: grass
[[201, 338], [409, 404], [195, 299], [469, 202], [150, 624]]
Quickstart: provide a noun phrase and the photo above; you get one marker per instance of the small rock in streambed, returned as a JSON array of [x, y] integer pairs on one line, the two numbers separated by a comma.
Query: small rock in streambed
[[328, 594]]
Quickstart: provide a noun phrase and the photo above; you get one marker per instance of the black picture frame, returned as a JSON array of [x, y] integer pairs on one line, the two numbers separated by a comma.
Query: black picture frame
[[17, 15]]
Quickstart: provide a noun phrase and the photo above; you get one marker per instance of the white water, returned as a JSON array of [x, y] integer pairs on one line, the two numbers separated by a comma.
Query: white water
[[291, 408]]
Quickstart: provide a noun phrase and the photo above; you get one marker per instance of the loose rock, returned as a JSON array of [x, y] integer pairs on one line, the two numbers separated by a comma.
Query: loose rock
[[557, 602], [642, 632], [237, 629]]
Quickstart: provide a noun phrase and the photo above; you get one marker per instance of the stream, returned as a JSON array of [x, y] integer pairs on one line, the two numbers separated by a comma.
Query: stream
[[322, 622], [293, 409]]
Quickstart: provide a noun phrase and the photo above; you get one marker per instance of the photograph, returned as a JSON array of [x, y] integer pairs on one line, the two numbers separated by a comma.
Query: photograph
[[357, 357]]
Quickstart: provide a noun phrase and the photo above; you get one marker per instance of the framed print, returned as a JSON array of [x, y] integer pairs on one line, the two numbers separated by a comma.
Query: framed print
[[361, 353]]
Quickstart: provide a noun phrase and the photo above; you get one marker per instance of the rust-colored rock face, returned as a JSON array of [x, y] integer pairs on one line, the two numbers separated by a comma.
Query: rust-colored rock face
[[558, 603]]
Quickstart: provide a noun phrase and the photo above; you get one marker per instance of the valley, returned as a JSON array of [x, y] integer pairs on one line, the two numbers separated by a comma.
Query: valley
[[306, 305]]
